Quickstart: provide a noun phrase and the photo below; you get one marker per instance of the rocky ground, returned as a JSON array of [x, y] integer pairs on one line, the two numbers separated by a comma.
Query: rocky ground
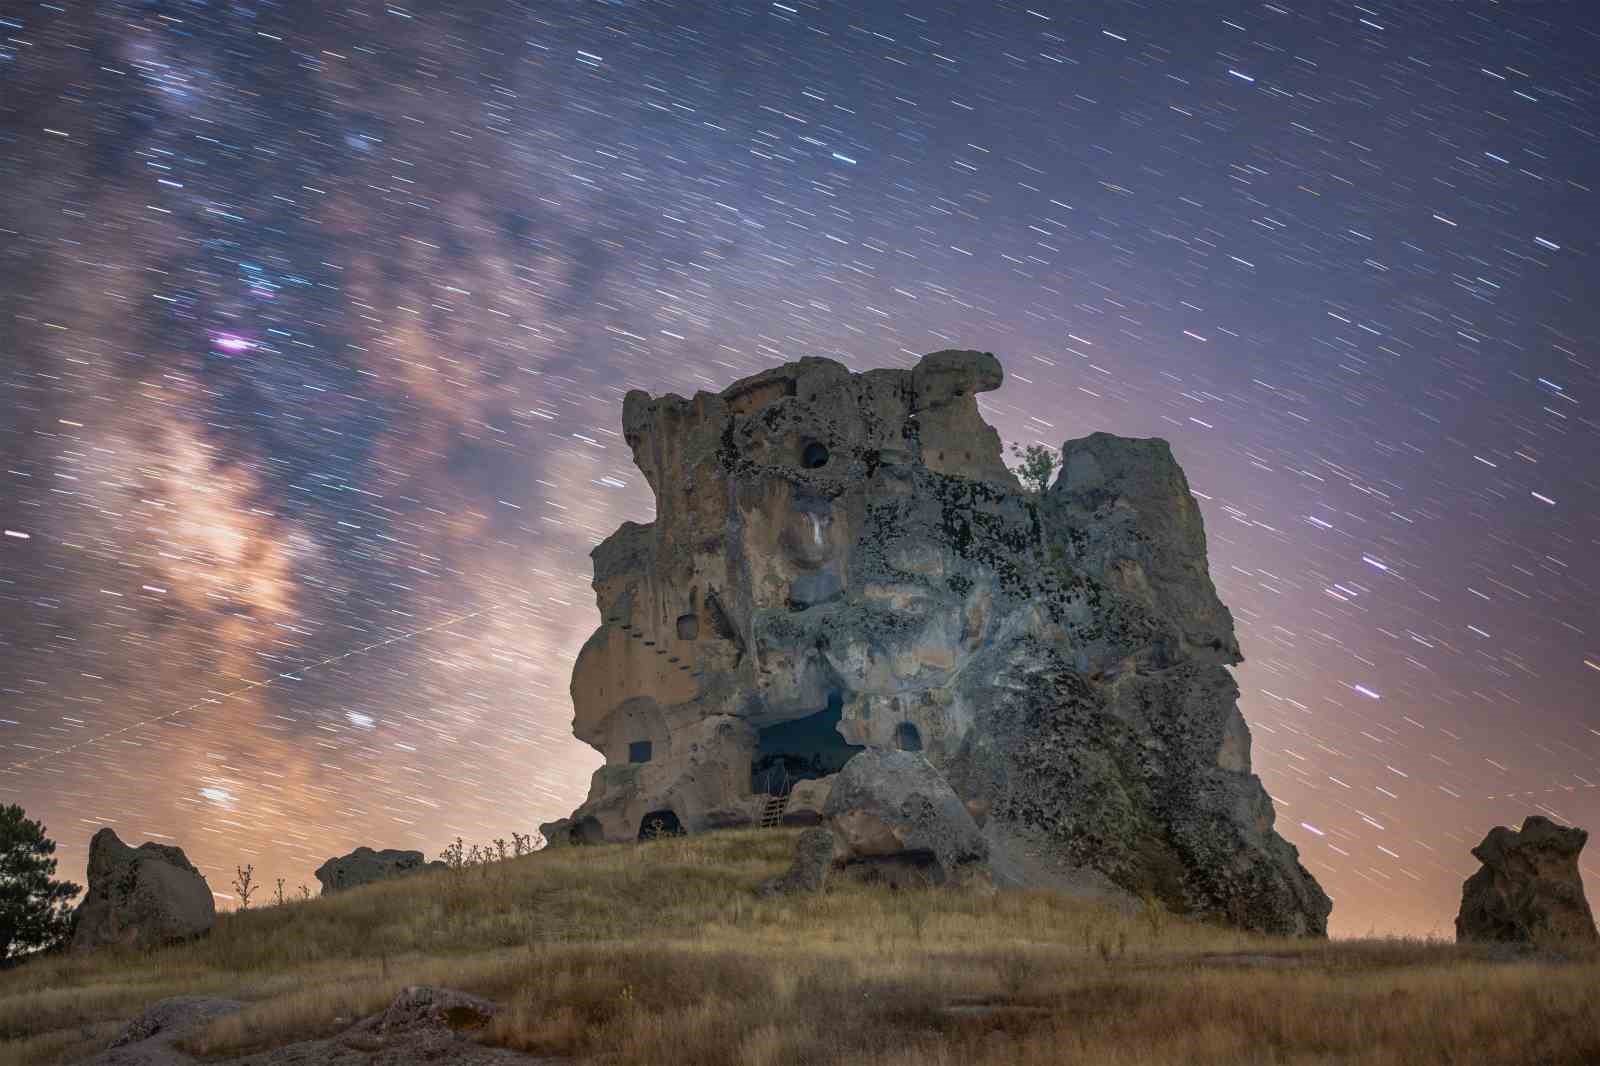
[[422, 1025]]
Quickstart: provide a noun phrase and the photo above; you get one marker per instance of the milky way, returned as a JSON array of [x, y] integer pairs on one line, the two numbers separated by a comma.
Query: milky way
[[315, 321]]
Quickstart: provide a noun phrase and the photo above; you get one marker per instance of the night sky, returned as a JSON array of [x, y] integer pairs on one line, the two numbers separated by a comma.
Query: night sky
[[316, 319]]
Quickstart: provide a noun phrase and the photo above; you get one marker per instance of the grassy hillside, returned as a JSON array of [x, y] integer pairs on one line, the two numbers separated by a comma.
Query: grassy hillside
[[661, 953]]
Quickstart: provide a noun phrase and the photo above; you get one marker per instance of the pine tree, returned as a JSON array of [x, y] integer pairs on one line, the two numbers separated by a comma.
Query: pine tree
[[35, 909]]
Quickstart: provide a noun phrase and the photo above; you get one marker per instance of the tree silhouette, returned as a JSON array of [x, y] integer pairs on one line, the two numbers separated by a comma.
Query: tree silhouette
[[35, 909], [1034, 465]]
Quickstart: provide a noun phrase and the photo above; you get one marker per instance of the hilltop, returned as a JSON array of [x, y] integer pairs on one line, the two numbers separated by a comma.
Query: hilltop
[[662, 952]]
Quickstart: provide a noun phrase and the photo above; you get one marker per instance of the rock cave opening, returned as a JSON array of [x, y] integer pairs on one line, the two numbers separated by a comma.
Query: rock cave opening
[[801, 749], [588, 830], [662, 823], [907, 737], [814, 455]]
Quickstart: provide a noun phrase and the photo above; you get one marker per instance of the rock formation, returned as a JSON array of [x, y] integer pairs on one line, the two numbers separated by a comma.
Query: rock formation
[[141, 897], [806, 801], [423, 1024], [149, 1039], [842, 561], [813, 861], [1529, 889], [363, 866], [893, 810]]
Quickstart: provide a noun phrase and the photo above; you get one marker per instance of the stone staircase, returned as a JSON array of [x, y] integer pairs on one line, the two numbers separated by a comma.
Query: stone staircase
[[772, 811]]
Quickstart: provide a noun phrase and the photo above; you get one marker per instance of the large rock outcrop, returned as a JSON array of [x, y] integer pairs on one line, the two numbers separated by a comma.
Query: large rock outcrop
[[140, 897], [1529, 889], [842, 561], [364, 866]]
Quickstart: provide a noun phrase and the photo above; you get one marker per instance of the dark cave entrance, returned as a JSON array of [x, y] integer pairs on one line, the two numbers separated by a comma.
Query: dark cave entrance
[[801, 749], [657, 824], [907, 737]]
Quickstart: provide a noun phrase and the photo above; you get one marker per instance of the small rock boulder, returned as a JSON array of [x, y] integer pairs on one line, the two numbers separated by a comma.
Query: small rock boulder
[[807, 800], [893, 810], [813, 858], [141, 897], [1529, 889], [422, 1024], [428, 1007], [363, 866], [149, 1039]]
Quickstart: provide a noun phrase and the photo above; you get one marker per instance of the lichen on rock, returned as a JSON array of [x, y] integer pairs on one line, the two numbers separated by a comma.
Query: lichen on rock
[[842, 562]]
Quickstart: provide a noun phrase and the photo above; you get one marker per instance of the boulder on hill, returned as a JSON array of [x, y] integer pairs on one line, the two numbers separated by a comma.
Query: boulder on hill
[[364, 866], [892, 811], [1529, 889], [140, 897], [841, 561]]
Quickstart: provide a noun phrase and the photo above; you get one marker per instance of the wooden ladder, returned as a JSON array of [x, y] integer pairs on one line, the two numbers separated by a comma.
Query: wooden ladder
[[772, 811]]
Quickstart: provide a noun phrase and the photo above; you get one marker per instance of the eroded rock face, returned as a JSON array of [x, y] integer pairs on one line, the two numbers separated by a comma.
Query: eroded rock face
[[842, 562], [141, 897], [1529, 889], [364, 865]]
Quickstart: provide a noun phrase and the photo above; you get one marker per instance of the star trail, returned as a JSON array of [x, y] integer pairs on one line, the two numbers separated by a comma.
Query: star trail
[[316, 319]]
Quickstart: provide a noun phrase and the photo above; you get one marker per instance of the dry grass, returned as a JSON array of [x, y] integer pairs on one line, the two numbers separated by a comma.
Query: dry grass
[[661, 953]]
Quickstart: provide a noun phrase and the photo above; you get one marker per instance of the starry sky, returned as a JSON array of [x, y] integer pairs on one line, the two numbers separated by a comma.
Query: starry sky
[[316, 318]]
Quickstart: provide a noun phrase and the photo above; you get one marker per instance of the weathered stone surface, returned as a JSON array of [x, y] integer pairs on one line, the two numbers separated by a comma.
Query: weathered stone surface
[[807, 800], [841, 561], [364, 866], [429, 1007], [734, 816], [423, 1024], [813, 858], [150, 1039], [142, 897], [893, 807], [1529, 889]]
